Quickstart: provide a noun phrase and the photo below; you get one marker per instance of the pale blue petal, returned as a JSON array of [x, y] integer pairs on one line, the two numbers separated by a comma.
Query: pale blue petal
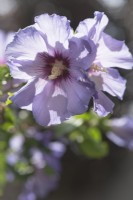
[[121, 131], [113, 83], [26, 45], [110, 81], [5, 39], [113, 53], [24, 97], [78, 95], [83, 52], [92, 28], [22, 53], [102, 104], [40, 106], [55, 27], [50, 106]]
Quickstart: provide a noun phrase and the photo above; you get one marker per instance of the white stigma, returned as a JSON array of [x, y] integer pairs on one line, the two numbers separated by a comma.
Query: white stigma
[[57, 69]]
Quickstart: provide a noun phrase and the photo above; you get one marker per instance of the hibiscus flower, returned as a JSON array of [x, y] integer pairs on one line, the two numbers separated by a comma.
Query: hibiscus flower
[[110, 53], [51, 60]]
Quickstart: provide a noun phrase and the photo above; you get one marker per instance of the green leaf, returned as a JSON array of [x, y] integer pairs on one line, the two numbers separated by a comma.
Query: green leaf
[[9, 115], [93, 145], [49, 170], [23, 168], [63, 129], [9, 101], [94, 149], [2, 172], [7, 126], [4, 73], [76, 136]]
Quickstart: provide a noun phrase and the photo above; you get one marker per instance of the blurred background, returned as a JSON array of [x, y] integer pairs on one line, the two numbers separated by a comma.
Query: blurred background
[[109, 178]]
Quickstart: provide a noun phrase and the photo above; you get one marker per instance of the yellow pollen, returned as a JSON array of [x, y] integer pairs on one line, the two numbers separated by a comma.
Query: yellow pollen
[[57, 69], [96, 68]]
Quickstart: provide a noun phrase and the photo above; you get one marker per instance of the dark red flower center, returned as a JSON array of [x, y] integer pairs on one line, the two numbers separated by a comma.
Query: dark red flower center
[[55, 67]]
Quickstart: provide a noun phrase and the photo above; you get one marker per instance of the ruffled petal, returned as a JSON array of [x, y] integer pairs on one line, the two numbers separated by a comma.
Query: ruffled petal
[[92, 28], [87, 56], [121, 131], [86, 28], [2, 47], [83, 52], [21, 69], [55, 27], [102, 104], [116, 139], [50, 106], [101, 23], [113, 53], [26, 45], [54, 104], [78, 95], [9, 37], [40, 106], [5, 39], [18, 72], [110, 81], [24, 97], [113, 83], [22, 53], [58, 102]]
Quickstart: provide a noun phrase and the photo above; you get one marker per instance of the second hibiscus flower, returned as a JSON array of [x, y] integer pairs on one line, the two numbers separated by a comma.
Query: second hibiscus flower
[[110, 53]]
